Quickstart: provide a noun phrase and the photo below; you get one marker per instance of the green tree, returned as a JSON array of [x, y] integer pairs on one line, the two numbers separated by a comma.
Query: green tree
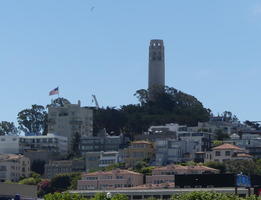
[[63, 182], [171, 105], [220, 135], [32, 120], [60, 102], [76, 144], [29, 181], [8, 128], [205, 196], [38, 166], [216, 165], [63, 196], [248, 167], [119, 197]]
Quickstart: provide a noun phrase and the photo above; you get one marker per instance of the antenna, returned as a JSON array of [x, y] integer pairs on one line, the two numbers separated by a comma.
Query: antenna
[[96, 102]]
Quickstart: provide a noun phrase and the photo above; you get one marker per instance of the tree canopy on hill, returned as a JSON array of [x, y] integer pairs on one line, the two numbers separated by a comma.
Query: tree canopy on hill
[[167, 107]]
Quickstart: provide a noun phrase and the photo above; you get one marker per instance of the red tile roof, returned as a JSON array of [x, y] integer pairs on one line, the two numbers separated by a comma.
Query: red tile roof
[[244, 155], [141, 142], [180, 167], [151, 186], [116, 171], [227, 146]]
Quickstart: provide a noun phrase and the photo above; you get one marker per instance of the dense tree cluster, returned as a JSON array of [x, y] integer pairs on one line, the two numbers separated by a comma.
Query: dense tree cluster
[[166, 107], [237, 166]]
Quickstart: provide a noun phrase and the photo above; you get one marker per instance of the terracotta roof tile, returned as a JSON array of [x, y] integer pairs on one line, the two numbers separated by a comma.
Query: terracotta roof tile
[[227, 146], [116, 171], [244, 155]]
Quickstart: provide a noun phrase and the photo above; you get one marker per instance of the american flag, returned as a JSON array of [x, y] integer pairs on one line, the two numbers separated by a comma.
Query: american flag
[[54, 91]]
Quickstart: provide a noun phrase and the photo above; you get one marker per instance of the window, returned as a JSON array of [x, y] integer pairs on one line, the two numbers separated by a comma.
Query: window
[[227, 153], [217, 153]]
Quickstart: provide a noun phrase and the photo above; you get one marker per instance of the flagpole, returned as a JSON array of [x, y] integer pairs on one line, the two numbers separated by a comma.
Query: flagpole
[[58, 92]]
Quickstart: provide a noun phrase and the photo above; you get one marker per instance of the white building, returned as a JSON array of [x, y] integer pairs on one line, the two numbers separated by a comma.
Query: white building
[[69, 119], [108, 158], [48, 143], [95, 160], [250, 142], [13, 167], [9, 144], [226, 152]]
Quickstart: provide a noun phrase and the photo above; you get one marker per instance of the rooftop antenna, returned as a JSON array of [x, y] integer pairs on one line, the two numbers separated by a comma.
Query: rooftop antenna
[[95, 101]]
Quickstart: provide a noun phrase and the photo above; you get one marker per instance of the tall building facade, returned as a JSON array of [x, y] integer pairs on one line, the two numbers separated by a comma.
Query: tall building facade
[[156, 67], [69, 119]]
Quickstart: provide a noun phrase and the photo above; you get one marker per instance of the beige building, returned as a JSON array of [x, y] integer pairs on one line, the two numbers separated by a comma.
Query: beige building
[[227, 152], [13, 167], [167, 173], [69, 119], [138, 151], [110, 180]]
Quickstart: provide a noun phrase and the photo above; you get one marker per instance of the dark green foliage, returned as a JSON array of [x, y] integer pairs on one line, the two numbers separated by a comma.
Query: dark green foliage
[[216, 165], [60, 102], [63, 182], [254, 125], [8, 128], [38, 166], [207, 196], [110, 118], [33, 120], [248, 167], [75, 144], [169, 106], [119, 197], [44, 187], [63, 196], [220, 135]]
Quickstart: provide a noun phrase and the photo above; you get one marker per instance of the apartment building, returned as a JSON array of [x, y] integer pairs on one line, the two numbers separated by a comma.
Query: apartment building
[[227, 152], [102, 142], [109, 180], [49, 143], [138, 151], [69, 119], [95, 160], [63, 166], [13, 167], [9, 144]]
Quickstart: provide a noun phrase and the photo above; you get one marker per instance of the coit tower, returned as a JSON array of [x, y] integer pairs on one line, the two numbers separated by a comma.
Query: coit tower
[[156, 67]]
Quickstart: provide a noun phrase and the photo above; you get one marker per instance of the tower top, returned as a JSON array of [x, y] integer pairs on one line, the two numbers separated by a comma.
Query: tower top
[[156, 43]]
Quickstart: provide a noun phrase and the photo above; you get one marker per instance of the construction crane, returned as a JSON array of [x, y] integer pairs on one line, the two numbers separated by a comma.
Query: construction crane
[[95, 101]]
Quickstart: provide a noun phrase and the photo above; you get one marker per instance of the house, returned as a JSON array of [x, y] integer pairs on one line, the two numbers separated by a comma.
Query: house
[[227, 152], [138, 151], [103, 180], [166, 174], [13, 167], [248, 141]]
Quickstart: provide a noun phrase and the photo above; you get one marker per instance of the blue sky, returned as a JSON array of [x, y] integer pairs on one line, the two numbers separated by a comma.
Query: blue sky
[[212, 48]]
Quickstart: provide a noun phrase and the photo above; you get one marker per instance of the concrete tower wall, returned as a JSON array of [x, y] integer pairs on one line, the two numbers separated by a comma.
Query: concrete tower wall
[[156, 64]]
